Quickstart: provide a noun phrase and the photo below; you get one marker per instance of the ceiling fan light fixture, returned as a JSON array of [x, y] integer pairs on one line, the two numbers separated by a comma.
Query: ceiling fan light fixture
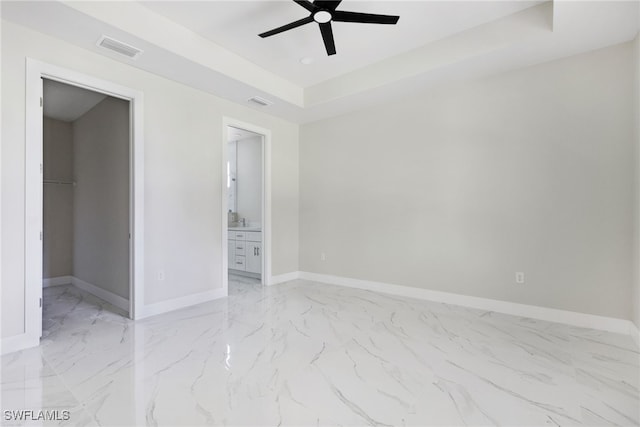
[[322, 16], [322, 12]]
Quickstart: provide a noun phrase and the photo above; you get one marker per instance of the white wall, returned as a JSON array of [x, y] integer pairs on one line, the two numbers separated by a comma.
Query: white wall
[[636, 252], [101, 196], [183, 147], [249, 179], [457, 189], [57, 239]]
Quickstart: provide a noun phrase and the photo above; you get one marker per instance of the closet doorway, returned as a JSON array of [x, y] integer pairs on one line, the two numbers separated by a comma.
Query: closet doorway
[[85, 236], [106, 224]]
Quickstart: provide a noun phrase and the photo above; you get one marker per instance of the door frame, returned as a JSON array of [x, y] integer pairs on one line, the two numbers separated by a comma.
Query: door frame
[[266, 199], [35, 72]]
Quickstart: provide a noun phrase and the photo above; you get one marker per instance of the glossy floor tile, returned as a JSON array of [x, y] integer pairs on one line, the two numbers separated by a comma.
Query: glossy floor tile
[[304, 354]]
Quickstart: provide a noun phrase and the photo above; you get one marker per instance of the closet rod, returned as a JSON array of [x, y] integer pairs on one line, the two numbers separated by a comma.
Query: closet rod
[[53, 181]]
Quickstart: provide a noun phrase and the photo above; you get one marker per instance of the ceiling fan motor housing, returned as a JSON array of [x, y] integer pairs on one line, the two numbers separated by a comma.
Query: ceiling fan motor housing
[[322, 16]]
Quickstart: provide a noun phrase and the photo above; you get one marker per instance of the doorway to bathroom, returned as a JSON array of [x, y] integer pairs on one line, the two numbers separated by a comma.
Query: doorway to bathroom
[[245, 206]]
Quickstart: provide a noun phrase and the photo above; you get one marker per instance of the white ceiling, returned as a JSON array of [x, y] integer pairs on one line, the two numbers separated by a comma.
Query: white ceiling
[[235, 26], [213, 45], [67, 103]]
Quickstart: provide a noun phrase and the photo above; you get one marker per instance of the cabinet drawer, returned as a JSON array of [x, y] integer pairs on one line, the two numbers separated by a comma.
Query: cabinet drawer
[[240, 235], [239, 246], [239, 263], [253, 236]]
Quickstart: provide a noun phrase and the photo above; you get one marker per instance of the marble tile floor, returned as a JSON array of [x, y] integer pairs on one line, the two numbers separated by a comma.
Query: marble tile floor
[[308, 354], [242, 284]]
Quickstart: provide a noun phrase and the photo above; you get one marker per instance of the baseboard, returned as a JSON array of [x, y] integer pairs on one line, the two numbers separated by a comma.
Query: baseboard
[[287, 277], [109, 297], [17, 343], [57, 281], [178, 303], [635, 334], [584, 320], [244, 273]]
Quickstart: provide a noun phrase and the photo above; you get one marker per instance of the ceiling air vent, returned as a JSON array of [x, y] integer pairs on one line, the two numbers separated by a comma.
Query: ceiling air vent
[[119, 47], [260, 101]]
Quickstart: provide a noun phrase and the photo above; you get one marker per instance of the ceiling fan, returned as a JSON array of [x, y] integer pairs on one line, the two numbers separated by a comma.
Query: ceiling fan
[[323, 12]]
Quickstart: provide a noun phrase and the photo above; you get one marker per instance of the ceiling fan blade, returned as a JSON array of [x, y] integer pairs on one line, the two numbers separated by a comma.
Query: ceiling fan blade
[[365, 18], [327, 36], [306, 4], [289, 26], [326, 4]]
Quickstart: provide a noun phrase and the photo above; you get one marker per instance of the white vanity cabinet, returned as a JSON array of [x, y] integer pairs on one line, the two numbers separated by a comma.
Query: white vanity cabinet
[[245, 252]]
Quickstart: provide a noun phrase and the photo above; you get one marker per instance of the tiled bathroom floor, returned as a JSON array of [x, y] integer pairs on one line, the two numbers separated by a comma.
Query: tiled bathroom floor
[[305, 354]]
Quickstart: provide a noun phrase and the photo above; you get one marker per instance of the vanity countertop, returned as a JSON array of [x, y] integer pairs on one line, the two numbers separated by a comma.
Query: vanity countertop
[[245, 229]]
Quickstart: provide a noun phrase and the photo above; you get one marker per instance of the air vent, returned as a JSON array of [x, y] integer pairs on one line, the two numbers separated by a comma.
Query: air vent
[[119, 47], [260, 101]]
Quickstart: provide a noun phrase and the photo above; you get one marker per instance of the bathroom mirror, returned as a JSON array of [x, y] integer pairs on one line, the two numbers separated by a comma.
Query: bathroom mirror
[[244, 177], [232, 165]]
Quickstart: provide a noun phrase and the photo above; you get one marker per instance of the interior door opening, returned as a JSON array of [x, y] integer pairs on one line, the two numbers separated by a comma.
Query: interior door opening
[[86, 210], [131, 305], [244, 182]]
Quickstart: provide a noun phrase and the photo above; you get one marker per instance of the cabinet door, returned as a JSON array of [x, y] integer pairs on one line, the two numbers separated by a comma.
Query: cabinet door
[[253, 253]]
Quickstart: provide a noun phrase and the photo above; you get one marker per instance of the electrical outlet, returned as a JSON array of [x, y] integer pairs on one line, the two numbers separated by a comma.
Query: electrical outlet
[[519, 277], [323, 256], [161, 275]]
